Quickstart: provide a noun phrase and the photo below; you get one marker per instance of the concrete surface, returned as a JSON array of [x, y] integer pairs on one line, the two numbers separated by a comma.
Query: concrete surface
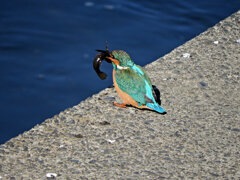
[[199, 137]]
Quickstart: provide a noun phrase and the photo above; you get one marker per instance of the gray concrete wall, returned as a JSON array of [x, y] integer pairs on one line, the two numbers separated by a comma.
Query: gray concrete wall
[[198, 138]]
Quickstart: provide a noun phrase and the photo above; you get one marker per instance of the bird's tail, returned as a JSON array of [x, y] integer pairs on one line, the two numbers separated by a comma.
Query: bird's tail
[[156, 107]]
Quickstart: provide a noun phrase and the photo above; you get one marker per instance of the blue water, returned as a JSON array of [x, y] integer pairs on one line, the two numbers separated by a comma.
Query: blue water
[[47, 48]]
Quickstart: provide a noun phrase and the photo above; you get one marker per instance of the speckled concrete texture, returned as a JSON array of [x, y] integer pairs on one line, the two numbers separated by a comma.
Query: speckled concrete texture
[[199, 137]]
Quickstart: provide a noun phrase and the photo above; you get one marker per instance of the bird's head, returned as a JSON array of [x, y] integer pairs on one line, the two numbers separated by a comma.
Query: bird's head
[[120, 59]]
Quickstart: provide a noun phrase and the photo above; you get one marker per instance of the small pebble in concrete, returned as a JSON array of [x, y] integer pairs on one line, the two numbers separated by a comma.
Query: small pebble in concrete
[[75, 160], [238, 41], [164, 79], [109, 98], [148, 122], [93, 161], [111, 141], [131, 111], [236, 129], [104, 123], [186, 55], [51, 175], [203, 84], [78, 136], [0, 177], [215, 42]]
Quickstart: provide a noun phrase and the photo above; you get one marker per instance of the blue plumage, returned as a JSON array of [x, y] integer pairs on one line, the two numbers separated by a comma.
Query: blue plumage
[[156, 107]]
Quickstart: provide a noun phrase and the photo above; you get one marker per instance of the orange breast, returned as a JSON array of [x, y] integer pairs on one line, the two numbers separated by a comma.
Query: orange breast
[[124, 96]]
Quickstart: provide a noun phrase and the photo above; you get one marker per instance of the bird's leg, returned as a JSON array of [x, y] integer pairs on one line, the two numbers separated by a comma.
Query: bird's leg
[[120, 105]]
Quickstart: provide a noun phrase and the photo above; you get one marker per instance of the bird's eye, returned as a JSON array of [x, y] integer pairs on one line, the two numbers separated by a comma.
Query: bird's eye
[[111, 55]]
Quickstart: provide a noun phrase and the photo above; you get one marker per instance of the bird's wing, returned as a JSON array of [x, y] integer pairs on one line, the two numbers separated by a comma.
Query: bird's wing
[[132, 83], [141, 71], [144, 74]]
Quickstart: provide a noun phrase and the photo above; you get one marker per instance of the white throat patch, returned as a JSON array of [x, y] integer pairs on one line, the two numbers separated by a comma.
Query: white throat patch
[[120, 67]]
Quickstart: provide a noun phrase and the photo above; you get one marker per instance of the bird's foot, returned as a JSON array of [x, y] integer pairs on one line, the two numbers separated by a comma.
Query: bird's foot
[[120, 105]]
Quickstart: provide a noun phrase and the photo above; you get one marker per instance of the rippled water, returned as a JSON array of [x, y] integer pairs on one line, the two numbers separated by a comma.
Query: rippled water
[[47, 48]]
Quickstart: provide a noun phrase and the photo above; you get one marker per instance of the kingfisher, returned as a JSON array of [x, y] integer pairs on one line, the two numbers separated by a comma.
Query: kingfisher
[[131, 82]]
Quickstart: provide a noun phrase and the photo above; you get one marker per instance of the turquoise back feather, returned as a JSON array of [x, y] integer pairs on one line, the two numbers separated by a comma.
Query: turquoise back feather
[[131, 83], [156, 107]]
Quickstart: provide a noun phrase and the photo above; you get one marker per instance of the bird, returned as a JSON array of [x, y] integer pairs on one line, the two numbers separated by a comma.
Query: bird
[[132, 83]]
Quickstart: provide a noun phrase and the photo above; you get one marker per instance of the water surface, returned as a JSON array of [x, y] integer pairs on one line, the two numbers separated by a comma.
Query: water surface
[[47, 48]]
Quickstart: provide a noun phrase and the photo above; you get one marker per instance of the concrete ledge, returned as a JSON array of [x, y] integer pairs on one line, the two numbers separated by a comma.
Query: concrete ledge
[[199, 138]]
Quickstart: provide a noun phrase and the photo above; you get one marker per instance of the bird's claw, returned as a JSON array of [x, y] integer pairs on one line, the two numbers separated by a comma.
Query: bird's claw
[[120, 105]]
